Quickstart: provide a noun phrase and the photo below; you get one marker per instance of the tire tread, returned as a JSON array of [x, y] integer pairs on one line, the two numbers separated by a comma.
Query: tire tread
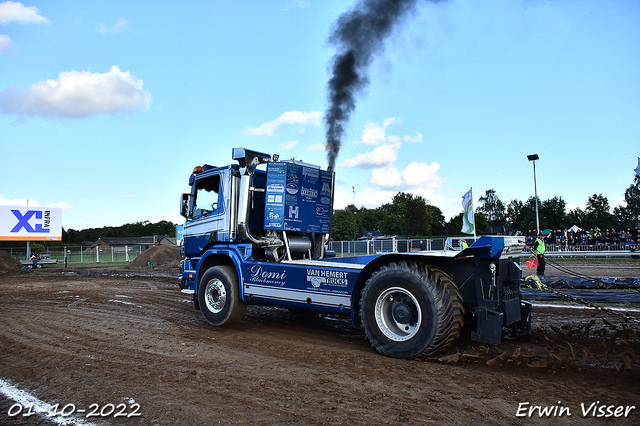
[[448, 301]]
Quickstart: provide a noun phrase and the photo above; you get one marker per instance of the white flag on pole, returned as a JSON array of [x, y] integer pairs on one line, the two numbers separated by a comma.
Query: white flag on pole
[[468, 223]]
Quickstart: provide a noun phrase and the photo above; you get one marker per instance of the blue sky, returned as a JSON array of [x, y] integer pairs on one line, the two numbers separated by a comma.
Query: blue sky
[[106, 107]]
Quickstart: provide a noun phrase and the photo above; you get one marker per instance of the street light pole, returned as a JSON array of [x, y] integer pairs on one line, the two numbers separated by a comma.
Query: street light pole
[[354, 218], [533, 158]]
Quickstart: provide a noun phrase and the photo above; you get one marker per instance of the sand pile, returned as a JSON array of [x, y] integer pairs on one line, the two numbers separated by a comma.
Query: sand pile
[[164, 256], [8, 263]]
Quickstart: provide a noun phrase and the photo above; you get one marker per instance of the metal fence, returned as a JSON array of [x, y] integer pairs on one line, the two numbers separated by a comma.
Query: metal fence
[[596, 247], [390, 245], [75, 255], [385, 245]]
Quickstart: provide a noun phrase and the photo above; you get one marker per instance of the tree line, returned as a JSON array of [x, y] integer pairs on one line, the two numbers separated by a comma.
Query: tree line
[[407, 214], [136, 229], [412, 216]]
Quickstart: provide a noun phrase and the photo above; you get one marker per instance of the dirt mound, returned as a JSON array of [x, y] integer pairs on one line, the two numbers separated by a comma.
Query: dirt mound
[[164, 256], [8, 263]]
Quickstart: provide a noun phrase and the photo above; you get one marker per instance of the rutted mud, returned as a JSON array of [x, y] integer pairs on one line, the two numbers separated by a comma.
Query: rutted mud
[[101, 336]]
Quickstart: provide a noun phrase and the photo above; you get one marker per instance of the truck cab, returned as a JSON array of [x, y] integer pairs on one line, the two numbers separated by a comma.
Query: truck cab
[[208, 208]]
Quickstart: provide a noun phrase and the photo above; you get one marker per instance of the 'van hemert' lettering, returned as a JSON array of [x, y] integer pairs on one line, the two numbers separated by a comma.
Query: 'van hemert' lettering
[[326, 273], [329, 277]]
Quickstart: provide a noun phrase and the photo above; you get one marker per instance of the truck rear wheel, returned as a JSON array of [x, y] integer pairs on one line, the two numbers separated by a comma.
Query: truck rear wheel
[[408, 310], [219, 296]]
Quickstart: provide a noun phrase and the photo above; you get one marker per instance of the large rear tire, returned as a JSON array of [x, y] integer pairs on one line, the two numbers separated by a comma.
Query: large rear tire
[[410, 310], [219, 296]]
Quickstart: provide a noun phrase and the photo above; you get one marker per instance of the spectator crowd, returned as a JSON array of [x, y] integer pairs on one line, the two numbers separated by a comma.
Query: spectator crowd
[[592, 239]]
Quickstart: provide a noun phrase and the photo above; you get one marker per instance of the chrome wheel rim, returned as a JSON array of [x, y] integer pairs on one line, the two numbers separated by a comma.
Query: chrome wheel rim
[[215, 296]]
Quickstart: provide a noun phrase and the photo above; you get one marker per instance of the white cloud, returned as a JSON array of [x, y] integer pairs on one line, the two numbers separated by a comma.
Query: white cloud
[[297, 3], [418, 138], [16, 12], [415, 176], [78, 95], [619, 202], [31, 203], [369, 197], [372, 198], [289, 145], [316, 147], [406, 138], [572, 206], [17, 202], [289, 117], [376, 133], [431, 197], [129, 196], [120, 26], [387, 177], [5, 44], [63, 206], [379, 157], [422, 175]]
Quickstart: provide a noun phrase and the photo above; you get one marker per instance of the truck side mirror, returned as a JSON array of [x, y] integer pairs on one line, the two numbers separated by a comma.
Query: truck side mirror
[[185, 201]]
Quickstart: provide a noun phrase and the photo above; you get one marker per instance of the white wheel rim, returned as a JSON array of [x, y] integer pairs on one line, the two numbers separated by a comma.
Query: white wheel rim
[[398, 314]]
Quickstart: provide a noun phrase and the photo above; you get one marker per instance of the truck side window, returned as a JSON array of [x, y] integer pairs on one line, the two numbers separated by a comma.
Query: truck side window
[[207, 200]]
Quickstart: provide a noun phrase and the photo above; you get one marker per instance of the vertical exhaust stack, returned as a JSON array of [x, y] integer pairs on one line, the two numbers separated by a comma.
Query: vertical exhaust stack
[[249, 160], [358, 36]]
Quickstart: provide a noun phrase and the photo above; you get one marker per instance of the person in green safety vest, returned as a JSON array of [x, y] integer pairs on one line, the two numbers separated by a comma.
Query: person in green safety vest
[[463, 244], [539, 248], [597, 234]]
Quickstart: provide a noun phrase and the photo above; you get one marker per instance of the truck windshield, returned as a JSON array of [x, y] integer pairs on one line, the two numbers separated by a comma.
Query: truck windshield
[[207, 199]]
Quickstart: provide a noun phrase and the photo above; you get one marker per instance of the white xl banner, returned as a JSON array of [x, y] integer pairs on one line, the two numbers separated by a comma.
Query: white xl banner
[[19, 223]]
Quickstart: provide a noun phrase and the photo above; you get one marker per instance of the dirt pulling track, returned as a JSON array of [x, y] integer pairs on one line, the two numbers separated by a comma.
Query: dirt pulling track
[[89, 336]]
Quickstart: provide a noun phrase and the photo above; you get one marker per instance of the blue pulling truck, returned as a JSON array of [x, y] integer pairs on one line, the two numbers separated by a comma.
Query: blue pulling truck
[[256, 233]]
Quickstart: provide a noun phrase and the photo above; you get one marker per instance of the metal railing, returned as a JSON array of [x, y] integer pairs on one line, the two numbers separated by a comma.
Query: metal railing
[[76, 255], [391, 245], [585, 247], [386, 245]]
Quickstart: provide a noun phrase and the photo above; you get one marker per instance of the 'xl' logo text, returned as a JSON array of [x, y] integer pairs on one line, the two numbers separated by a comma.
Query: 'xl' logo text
[[23, 221]]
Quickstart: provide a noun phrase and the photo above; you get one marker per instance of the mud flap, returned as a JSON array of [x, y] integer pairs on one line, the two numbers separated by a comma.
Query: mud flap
[[524, 325], [512, 311], [488, 326]]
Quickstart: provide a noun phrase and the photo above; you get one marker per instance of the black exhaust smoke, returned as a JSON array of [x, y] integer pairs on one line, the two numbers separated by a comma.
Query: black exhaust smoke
[[357, 35]]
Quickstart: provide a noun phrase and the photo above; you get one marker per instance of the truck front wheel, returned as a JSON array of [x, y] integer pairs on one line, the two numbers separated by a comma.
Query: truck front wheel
[[408, 310], [219, 296]]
